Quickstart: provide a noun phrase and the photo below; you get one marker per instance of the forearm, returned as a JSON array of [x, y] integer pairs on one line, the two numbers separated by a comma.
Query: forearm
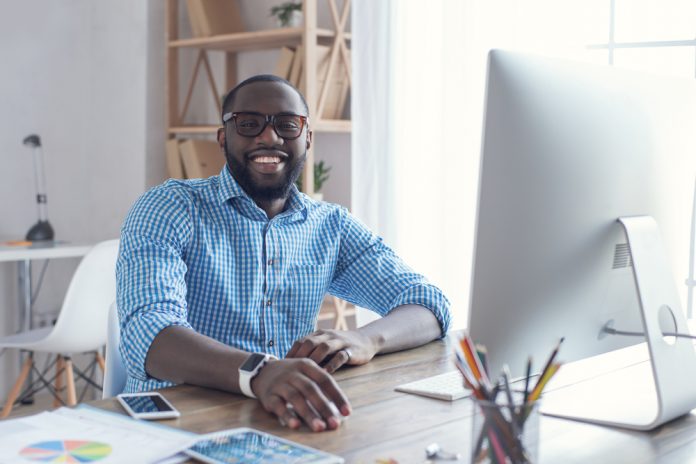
[[182, 355], [290, 389], [405, 327]]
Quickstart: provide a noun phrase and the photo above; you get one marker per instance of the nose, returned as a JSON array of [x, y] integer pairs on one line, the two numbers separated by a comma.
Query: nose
[[268, 136]]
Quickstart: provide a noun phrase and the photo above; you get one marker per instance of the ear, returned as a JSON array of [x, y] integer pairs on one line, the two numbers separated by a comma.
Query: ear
[[221, 138], [309, 139]]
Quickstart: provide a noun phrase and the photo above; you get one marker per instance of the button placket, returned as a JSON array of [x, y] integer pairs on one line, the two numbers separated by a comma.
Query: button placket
[[270, 282]]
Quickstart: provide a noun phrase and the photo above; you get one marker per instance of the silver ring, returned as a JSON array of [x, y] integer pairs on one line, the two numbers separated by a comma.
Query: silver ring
[[348, 353]]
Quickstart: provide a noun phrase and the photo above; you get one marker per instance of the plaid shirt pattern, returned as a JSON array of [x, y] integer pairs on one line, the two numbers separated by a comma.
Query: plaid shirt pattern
[[200, 254]]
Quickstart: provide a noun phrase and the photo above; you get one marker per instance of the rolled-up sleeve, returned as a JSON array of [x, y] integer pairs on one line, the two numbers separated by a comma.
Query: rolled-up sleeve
[[150, 273], [370, 275]]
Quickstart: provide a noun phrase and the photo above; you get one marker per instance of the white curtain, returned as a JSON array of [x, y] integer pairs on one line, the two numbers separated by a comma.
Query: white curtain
[[418, 89]]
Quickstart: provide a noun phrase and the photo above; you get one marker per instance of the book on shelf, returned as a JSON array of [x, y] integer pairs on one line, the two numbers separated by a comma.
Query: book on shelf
[[214, 17], [175, 168], [201, 158]]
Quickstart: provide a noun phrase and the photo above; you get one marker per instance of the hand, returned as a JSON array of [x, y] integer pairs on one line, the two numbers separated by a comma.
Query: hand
[[290, 388], [334, 348]]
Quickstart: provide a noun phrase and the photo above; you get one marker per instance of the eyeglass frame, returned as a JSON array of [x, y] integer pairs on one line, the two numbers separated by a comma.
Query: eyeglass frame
[[268, 118]]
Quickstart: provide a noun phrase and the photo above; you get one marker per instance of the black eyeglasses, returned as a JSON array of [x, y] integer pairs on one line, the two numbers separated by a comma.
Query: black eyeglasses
[[249, 124]]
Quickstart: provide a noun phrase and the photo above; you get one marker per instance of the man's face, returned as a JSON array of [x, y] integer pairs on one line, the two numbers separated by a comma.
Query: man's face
[[266, 165]]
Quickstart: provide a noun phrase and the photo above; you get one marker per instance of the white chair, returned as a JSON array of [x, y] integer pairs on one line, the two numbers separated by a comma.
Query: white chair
[[115, 373], [81, 326]]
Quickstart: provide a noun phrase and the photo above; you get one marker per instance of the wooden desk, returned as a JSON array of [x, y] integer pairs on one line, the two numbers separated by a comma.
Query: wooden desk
[[387, 424]]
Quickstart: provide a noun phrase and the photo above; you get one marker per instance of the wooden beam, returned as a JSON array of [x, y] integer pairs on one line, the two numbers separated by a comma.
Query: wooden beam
[[172, 58]]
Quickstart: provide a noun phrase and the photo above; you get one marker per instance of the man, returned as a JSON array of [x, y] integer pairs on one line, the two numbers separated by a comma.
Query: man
[[214, 270]]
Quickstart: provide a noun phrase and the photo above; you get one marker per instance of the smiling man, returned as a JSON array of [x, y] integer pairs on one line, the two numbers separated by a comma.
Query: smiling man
[[220, 280]]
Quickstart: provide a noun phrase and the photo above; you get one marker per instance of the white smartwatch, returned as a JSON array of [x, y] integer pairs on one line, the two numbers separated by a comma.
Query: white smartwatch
[[250, 369]]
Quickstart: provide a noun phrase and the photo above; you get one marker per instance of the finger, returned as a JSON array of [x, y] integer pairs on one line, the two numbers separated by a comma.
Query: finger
[[307, 345], [325, 350], [340, 358], [297, 399], [317, 402], [293, 349], [286, 415], [328, 386]]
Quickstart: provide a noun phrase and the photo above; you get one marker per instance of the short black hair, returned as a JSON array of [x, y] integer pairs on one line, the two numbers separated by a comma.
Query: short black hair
[[229, 98]]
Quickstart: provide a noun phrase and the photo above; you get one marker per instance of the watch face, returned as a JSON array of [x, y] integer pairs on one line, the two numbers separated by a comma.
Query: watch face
[[252, 361]]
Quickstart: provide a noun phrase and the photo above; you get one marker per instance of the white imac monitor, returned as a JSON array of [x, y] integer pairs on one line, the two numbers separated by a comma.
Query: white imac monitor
[[568, 150]]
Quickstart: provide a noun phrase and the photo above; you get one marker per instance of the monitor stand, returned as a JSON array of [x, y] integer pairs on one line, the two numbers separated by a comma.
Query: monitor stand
[[647, 385]]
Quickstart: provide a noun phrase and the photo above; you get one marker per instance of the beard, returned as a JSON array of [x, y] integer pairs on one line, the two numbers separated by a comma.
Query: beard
[[241, 173]]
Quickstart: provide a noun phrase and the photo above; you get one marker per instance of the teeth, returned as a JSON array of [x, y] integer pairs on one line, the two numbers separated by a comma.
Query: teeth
[[267, 159]]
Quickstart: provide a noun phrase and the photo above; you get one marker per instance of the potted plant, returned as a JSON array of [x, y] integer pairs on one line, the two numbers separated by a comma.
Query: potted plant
[[321, 175], [288, 14]]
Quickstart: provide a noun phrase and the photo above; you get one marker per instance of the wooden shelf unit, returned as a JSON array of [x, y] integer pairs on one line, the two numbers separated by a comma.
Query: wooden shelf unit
[[256, 40], [309, 35]]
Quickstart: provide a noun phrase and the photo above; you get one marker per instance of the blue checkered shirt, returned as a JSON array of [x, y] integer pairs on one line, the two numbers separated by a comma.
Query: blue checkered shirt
[[200, 254]]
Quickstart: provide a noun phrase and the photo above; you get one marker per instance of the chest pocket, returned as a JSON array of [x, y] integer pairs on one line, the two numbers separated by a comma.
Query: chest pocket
[[304, 291]]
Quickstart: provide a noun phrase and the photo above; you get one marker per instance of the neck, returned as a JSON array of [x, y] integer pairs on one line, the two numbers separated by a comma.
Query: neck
[[272, 207]]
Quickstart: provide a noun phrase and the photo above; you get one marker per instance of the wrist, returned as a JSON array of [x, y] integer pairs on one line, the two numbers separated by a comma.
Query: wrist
[[374, 340], [250, 369]]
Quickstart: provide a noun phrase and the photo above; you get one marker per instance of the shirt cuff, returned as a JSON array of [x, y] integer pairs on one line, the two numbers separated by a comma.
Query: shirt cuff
[[431, 298]]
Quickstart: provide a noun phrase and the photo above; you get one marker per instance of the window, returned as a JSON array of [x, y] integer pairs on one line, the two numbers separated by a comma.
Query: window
[[651, 35]]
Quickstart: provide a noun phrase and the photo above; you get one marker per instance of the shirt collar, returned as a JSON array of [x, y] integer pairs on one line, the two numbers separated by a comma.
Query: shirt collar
[[230, 189]]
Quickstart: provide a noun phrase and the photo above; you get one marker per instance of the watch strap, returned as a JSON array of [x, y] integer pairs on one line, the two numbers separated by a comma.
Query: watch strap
[[245, 376]]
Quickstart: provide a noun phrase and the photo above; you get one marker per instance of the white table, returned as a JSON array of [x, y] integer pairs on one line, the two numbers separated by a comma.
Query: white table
[[24, 255]]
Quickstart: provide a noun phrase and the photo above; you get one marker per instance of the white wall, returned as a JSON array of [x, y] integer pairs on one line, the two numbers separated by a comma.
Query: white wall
[[76, 72]]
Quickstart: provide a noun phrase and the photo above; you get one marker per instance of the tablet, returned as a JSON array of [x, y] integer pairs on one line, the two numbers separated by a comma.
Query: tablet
[[253, 446]]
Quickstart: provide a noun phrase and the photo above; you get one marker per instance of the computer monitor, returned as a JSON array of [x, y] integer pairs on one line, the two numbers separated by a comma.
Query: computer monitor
[[568, 149]]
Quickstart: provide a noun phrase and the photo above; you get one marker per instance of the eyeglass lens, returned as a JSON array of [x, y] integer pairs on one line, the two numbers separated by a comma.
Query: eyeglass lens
[[287, 126]]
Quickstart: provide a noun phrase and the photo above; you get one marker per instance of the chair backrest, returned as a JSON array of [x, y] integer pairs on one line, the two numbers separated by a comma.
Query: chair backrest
[[115, 372], [82, 322]]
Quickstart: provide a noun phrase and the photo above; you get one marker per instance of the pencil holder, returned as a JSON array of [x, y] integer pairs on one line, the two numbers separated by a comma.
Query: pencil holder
[[504, 433]]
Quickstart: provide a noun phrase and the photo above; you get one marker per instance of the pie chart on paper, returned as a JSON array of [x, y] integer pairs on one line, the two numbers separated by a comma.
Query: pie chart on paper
[[66, 451]]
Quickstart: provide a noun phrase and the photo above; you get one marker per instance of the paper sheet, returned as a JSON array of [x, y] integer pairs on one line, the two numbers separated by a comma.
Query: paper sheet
[[88, 434]]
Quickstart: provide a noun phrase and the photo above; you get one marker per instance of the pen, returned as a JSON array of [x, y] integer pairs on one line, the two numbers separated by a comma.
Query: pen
[[514, 419], [536, 393], [475, 362], [526, 380], [482, 354], [553, 355]]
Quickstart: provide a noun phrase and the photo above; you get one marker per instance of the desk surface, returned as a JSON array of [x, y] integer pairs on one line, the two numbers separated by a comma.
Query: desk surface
[[390, 425], [43, 251]]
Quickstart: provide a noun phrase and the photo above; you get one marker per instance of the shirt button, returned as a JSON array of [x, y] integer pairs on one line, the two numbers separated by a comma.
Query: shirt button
[[268, 303], [270, 342], [270, 262]]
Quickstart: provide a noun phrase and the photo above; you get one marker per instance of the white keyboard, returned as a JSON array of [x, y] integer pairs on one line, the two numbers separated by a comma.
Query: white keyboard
[[448, 387]]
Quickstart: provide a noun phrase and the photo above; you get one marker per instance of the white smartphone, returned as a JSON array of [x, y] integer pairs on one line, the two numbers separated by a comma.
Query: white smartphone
[[147, 405]]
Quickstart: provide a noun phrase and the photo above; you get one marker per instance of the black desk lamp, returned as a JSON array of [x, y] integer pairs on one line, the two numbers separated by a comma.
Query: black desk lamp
[[42, 230]]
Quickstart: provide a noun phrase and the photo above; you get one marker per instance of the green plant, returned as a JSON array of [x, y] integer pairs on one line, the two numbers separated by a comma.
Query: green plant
[[284, 12], [321, 175]]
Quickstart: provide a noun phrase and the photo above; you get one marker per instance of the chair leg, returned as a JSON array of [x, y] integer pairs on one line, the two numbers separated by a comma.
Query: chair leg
[[100, 360], [14, 393], [72, 396], [60, 368]]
